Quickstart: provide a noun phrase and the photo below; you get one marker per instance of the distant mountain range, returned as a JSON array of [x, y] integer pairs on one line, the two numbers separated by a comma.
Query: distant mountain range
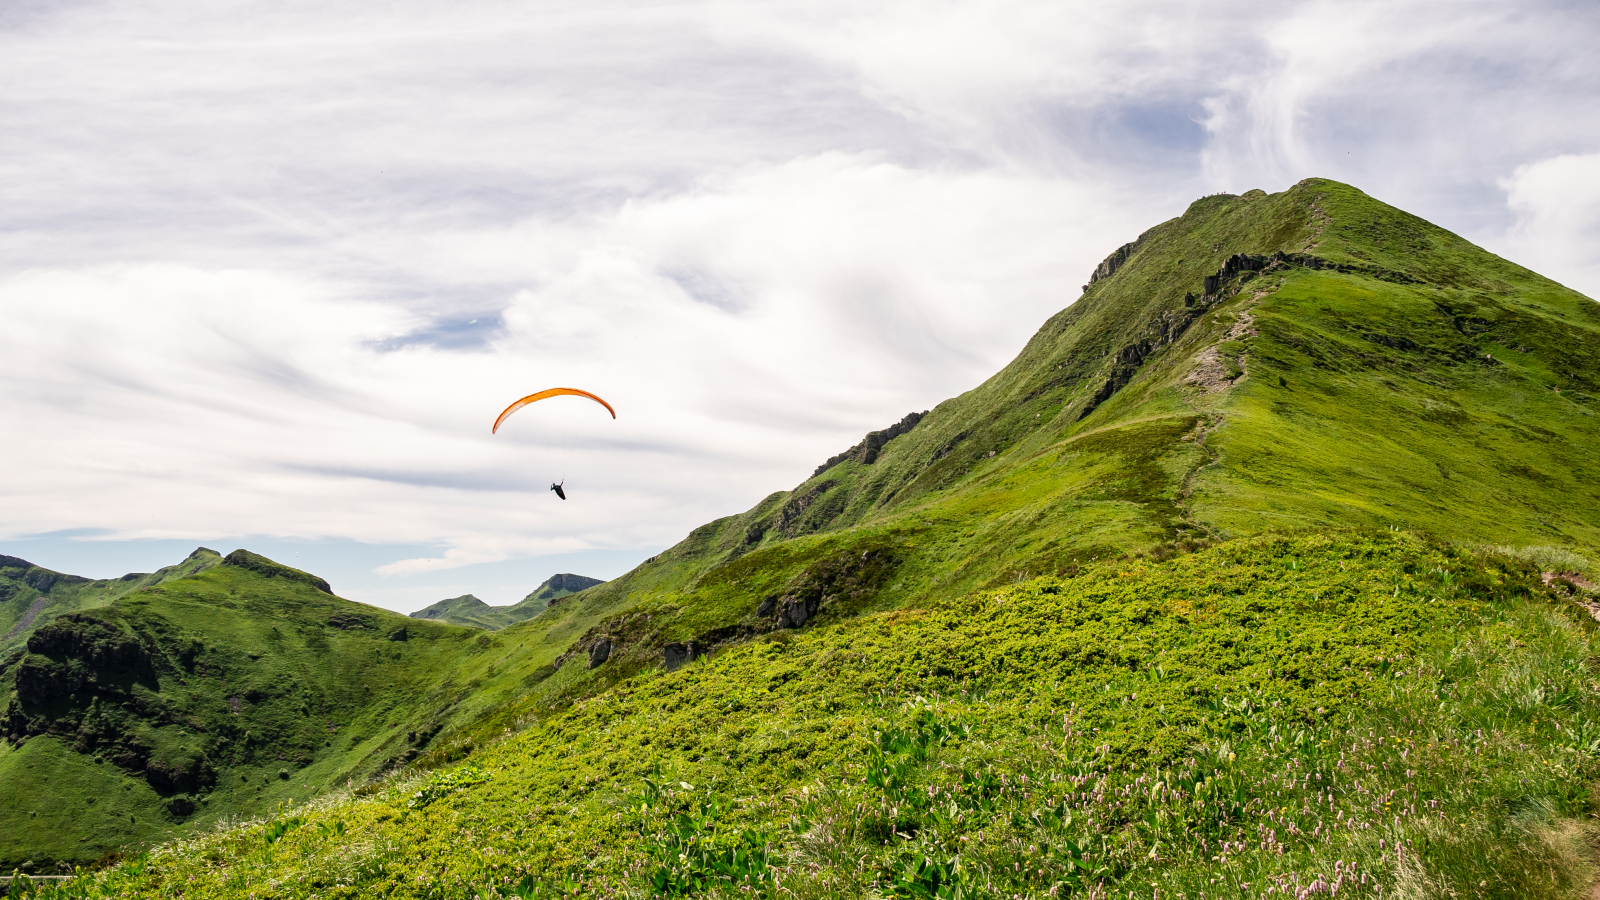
[[474, 613]]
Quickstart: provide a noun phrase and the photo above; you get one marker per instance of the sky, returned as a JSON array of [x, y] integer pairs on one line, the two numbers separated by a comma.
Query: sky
[[269, 270]]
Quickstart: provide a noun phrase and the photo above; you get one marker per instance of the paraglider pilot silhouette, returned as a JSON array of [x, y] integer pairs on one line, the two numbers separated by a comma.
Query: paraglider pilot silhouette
[[558, 487]]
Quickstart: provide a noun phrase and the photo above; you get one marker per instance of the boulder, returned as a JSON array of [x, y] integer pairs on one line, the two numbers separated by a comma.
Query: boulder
[[796, 611], [599, 652]]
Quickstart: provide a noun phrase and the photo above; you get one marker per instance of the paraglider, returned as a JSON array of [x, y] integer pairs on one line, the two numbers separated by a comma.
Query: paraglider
[[542, 395], [558, 487]]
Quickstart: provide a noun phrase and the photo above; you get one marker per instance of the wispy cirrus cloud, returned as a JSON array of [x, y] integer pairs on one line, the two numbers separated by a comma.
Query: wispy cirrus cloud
[[271, 269]]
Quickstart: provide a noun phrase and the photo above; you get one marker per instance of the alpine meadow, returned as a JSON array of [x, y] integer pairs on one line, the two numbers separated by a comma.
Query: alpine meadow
[[1264, 570]]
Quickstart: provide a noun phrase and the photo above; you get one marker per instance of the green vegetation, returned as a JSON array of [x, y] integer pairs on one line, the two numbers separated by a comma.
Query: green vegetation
[[1252, 575], [1354, 708], [30, 596]]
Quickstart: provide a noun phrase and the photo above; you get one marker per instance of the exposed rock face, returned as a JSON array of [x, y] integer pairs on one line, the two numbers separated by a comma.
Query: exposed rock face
[[78, 682], [75, 651], [559, 587], [573, 583], [260, 565], [866, 452], [842, 578], [599, 652], [796, 610], [1109, 266]]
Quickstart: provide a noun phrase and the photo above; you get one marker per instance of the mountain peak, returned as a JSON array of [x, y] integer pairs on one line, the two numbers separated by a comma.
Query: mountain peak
[[444, 610], [557, 586]]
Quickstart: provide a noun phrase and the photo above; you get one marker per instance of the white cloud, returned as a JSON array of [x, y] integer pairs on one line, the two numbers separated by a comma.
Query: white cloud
[[1557, 206], [272, 268], [236, 401]]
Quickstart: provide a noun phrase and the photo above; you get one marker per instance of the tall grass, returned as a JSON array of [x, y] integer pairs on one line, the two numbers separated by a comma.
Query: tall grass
[[1560, 560]]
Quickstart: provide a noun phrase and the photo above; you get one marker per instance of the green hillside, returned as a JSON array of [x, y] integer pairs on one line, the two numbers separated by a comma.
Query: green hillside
[[1365, 710], [224, 693], [471, 612], [1229, 583]]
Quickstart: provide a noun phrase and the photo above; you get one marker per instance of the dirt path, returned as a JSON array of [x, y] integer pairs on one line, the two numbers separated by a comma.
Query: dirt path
[[1210, 372], [1210, 376], [1205, 426]]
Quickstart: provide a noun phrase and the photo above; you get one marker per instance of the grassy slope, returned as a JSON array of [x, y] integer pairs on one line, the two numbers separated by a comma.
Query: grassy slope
[[20, 593], [1267, 713], [1480, 425]]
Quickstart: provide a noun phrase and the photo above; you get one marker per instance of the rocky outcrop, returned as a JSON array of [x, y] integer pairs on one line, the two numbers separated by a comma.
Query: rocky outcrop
[[73, 652], [566, 581], [867, 451], [599, 652], [1109, 266], [843, 578], [796, 611], [842, 581], [80, 682], [556, 589], [788, 521]]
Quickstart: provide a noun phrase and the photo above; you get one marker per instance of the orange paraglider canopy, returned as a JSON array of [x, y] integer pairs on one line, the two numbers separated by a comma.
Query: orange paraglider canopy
[[552, 392]]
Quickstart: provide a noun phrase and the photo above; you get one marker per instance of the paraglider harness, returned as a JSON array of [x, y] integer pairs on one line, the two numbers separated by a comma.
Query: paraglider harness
[[559, 492]]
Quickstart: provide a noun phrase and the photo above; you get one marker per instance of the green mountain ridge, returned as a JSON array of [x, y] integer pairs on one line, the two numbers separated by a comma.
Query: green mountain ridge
[[1262, 362], [152, 715], [1221, 523], [31, 596]]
